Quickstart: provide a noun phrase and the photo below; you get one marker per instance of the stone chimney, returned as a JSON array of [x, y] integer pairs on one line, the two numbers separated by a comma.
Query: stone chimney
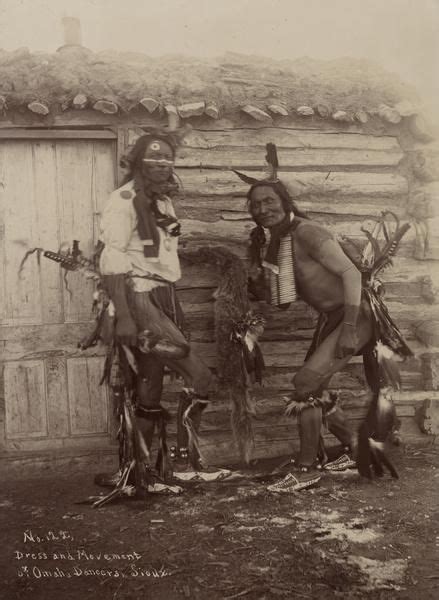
[[72, 31], [72, 37]]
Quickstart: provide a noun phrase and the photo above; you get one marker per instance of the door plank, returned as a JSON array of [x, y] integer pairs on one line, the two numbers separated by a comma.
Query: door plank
[[104, 180], [2, 233], [25, 406], [87, 400], [23, 294], [45, 186], [75, 184], [57, 400]]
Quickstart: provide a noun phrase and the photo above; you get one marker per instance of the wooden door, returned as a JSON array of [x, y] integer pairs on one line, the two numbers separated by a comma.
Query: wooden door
[[51, 192]]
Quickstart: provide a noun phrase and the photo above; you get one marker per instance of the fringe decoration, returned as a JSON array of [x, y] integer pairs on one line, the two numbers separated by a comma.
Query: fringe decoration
[[120, 372], [161, 417], [193, 437], [380, 360], [163, 463], [134, 457]]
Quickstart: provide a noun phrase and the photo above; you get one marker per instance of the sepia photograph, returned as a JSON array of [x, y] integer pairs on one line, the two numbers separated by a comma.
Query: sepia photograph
[[219, 299]]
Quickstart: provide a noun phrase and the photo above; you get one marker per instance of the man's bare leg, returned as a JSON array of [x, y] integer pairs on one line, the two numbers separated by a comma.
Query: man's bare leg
[[310, 382]]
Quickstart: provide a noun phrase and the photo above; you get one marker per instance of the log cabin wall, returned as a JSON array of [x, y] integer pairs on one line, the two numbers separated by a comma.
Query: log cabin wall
[[342, 167], [343, 179]]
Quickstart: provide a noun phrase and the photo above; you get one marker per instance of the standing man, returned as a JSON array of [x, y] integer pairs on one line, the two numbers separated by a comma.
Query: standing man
[[303, 259], [140, 265]]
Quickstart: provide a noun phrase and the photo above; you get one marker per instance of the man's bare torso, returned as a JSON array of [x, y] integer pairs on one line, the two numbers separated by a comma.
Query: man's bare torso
[[316, 284]]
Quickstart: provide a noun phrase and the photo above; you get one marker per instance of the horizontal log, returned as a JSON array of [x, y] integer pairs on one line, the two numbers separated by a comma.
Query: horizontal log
[[256, 113], [405, 108], [238, 231], [389, 114], [106, 106], [275, 353], [296, 335], [253, 157], [340, 223], [197, 275], [407, 269], [305, 111], [403, 313], [235, 234], [151, 104], [222, 207], [212, 110], [220, 449], [90, 118], [288, 138], [361, 116], [197, 296], [270, 403], [60, 134], [80, 101], [297, 311], [40, 108], [278, 109], [191, 109], [265, 423], [406, 272], [272, 429], [202, 182]]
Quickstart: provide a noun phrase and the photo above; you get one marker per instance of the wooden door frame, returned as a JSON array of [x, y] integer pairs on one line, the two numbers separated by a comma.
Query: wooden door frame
[[35, 134], [119, 134]]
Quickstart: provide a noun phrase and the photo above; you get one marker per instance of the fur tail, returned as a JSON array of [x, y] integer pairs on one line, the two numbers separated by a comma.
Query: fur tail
[[363, 458], [382, 375], [242, 415]]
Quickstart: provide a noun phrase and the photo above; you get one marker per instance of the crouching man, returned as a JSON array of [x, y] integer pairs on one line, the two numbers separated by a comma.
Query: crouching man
[[301, 258]]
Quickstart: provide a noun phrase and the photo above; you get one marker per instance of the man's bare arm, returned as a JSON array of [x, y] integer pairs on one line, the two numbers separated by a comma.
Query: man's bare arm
[[328, 252]]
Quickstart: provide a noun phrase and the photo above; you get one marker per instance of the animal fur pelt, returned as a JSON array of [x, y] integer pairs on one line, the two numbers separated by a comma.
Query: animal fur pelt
[[239, 359], [373, 433]]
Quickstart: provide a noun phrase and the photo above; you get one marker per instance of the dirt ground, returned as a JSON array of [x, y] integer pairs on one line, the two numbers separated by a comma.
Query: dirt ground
[[345, 538]]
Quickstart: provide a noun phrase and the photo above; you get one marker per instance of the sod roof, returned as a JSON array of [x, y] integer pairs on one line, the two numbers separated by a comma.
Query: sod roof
[[230, 81]]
